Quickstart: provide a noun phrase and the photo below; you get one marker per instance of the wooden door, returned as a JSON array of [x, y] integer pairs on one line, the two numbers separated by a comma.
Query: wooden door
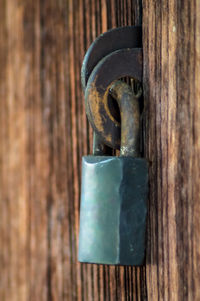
[[44, 133]]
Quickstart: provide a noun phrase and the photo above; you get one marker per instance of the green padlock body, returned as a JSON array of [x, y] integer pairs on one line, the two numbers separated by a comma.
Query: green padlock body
[[113, 210]]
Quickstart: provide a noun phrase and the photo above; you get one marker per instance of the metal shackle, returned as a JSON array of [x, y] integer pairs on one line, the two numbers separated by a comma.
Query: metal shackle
[[130, 117]]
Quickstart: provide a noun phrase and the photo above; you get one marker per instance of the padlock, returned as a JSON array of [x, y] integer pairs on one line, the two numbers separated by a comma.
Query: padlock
[[114, 194]]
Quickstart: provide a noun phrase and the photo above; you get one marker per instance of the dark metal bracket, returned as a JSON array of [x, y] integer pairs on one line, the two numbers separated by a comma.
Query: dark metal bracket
[[113, 55]]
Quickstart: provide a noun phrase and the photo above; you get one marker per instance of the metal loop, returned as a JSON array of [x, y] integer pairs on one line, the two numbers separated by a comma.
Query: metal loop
[[130, 118], [120, 63], [108, 42]]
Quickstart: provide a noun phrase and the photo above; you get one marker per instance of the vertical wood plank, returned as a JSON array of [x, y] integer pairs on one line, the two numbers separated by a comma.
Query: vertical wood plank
[[171, 71], [44, 134]]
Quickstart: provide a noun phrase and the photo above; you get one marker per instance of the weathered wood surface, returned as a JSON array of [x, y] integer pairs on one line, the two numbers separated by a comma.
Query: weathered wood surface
[[44, 133], [172, 92]]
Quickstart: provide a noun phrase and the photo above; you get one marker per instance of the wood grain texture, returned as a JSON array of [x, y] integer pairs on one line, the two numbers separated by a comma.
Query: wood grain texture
[[171, 31], [44, 133]]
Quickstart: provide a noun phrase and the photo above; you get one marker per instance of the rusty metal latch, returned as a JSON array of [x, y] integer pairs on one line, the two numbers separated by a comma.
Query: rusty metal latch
[[113, 55]]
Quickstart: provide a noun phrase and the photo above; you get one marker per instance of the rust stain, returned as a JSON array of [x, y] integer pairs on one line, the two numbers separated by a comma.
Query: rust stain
[[95, 102]]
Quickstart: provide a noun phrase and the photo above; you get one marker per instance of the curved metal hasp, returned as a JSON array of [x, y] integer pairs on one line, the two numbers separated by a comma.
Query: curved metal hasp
[[119, 64], [108, 42], [130, 117]]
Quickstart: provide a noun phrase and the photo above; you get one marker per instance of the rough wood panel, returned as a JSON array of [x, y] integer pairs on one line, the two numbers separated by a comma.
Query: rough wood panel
[[44, 133], [172, 94]]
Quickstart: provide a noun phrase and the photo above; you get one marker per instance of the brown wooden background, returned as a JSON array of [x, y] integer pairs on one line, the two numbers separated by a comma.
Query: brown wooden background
[[44, 133]]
